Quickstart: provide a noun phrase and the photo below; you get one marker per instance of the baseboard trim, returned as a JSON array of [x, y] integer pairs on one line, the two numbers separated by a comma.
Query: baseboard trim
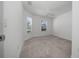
[[62, 37]]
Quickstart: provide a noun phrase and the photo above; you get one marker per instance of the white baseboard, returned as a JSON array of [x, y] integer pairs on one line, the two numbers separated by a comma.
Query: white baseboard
[[62, 37], [36, 36]]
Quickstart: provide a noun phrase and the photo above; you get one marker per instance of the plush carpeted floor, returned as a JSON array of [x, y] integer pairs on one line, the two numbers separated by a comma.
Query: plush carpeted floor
[[46, 47]]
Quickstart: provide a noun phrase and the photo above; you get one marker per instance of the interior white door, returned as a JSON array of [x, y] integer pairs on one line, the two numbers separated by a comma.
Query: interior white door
[[1, 49], [13, 28], [1, 29]]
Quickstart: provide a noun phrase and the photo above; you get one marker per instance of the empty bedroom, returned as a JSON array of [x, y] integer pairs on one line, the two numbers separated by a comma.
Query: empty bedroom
[[48, 29], [36, 29]]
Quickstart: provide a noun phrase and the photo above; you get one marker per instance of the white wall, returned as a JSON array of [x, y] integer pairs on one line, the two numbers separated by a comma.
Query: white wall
[[62, 26], [13, 28], [1, 29], [36, 26], [75, 30]]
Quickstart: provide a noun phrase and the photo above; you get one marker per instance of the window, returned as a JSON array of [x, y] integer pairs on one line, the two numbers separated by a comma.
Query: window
[[29, 24], [43, 25]]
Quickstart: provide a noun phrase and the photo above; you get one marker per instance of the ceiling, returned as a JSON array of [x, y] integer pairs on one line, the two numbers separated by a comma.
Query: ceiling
[[47, 8]]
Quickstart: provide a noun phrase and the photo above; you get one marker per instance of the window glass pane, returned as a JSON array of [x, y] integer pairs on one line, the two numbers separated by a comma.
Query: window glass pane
[[43, 25], [29, 24]]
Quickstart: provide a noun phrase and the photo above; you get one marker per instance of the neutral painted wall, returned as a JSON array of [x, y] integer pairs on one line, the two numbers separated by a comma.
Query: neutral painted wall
[[75, 30], [1, 29], [62, 26], [36, 26], [13, 28]]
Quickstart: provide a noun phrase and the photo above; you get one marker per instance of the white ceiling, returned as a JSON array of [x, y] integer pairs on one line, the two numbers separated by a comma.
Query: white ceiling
[[47, 8]]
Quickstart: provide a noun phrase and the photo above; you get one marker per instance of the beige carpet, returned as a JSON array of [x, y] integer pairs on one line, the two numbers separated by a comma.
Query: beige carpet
[[46, 47]]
